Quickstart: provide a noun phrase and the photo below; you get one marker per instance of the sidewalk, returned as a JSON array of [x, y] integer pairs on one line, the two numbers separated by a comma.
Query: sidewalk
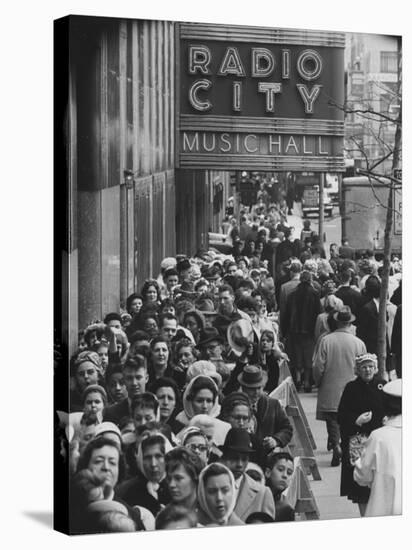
[[326, 490]]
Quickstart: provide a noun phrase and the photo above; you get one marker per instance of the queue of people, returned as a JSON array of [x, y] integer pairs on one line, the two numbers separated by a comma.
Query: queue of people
[[171, 420]]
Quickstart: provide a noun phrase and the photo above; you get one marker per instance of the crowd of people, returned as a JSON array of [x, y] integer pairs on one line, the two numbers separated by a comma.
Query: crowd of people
[[172, 423]]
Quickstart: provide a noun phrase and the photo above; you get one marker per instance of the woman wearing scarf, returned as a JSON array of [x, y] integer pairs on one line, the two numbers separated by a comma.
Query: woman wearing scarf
[[201, 397], [149, 489], [217, 496]]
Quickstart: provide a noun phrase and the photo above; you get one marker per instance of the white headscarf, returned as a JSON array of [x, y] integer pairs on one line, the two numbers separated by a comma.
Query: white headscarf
[[201, 494], [139, 458], [188, 404]]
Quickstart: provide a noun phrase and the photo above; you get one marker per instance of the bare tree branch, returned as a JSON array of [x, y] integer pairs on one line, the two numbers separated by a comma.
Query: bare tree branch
[[375, 115]]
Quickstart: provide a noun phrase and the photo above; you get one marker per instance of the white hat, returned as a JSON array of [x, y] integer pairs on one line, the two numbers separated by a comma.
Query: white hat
[[242, 328], [107, 427], [394, 388], [168, 263]]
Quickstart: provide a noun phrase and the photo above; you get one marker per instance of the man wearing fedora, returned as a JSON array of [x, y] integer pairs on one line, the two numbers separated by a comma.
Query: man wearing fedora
[[333, 368], [251, 495], [273, 428]]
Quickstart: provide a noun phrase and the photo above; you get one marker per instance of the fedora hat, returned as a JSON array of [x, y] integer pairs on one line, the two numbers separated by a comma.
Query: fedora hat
[[208, 334], [238, 441], [252, 376], [344, 315], [238, 333]]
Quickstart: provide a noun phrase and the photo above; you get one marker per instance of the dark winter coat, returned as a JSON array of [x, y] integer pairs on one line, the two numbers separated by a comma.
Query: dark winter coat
[[367, 324], [134, 492], [302, 309], [272, 421], [358, 397], [350, 297]]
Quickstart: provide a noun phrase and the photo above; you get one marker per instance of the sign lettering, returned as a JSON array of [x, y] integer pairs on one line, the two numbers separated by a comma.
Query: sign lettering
[[244, 94]]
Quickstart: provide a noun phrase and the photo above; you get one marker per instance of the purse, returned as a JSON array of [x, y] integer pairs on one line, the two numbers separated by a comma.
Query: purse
[[356, 446]]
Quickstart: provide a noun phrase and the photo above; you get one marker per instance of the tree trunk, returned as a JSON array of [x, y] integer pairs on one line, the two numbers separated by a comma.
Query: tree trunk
[[383, 298]]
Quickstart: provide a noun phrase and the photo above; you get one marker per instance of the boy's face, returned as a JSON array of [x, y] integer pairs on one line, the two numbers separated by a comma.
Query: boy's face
[[135, 381], [279, 476]]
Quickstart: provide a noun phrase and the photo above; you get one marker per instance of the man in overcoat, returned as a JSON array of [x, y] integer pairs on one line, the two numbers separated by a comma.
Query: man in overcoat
[[333, 368]]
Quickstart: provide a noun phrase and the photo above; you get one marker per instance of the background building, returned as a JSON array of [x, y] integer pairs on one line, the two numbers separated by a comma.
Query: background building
[[372, 80]]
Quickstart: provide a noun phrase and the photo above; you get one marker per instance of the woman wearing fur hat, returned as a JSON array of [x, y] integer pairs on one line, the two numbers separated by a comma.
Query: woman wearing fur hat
[[360, 411]]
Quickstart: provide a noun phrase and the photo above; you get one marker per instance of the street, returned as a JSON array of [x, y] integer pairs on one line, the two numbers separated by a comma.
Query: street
[[332, 225]]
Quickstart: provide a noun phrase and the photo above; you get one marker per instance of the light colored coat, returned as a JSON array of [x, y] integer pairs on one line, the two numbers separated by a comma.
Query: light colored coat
[[253, 497], [380, 468], [333, 367]]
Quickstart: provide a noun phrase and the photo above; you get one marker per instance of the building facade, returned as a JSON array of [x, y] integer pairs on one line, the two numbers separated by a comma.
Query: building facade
[[119, 121], [372, 83]]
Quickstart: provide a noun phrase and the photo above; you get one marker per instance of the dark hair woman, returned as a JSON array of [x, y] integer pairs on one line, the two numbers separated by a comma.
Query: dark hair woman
[[195, 322], [182, 474], [104, 459], [134, 303], [151, 291], [167, 392], [159, 360], [269, 356]]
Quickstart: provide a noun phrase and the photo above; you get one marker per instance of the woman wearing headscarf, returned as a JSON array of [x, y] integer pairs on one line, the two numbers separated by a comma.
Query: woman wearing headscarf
[[149, 488], [360, 411], [217, 496], [380, 466], [196, 440], [201, 397]]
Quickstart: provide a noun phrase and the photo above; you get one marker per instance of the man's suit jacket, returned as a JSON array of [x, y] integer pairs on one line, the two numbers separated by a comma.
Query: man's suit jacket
[[253, 497]]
